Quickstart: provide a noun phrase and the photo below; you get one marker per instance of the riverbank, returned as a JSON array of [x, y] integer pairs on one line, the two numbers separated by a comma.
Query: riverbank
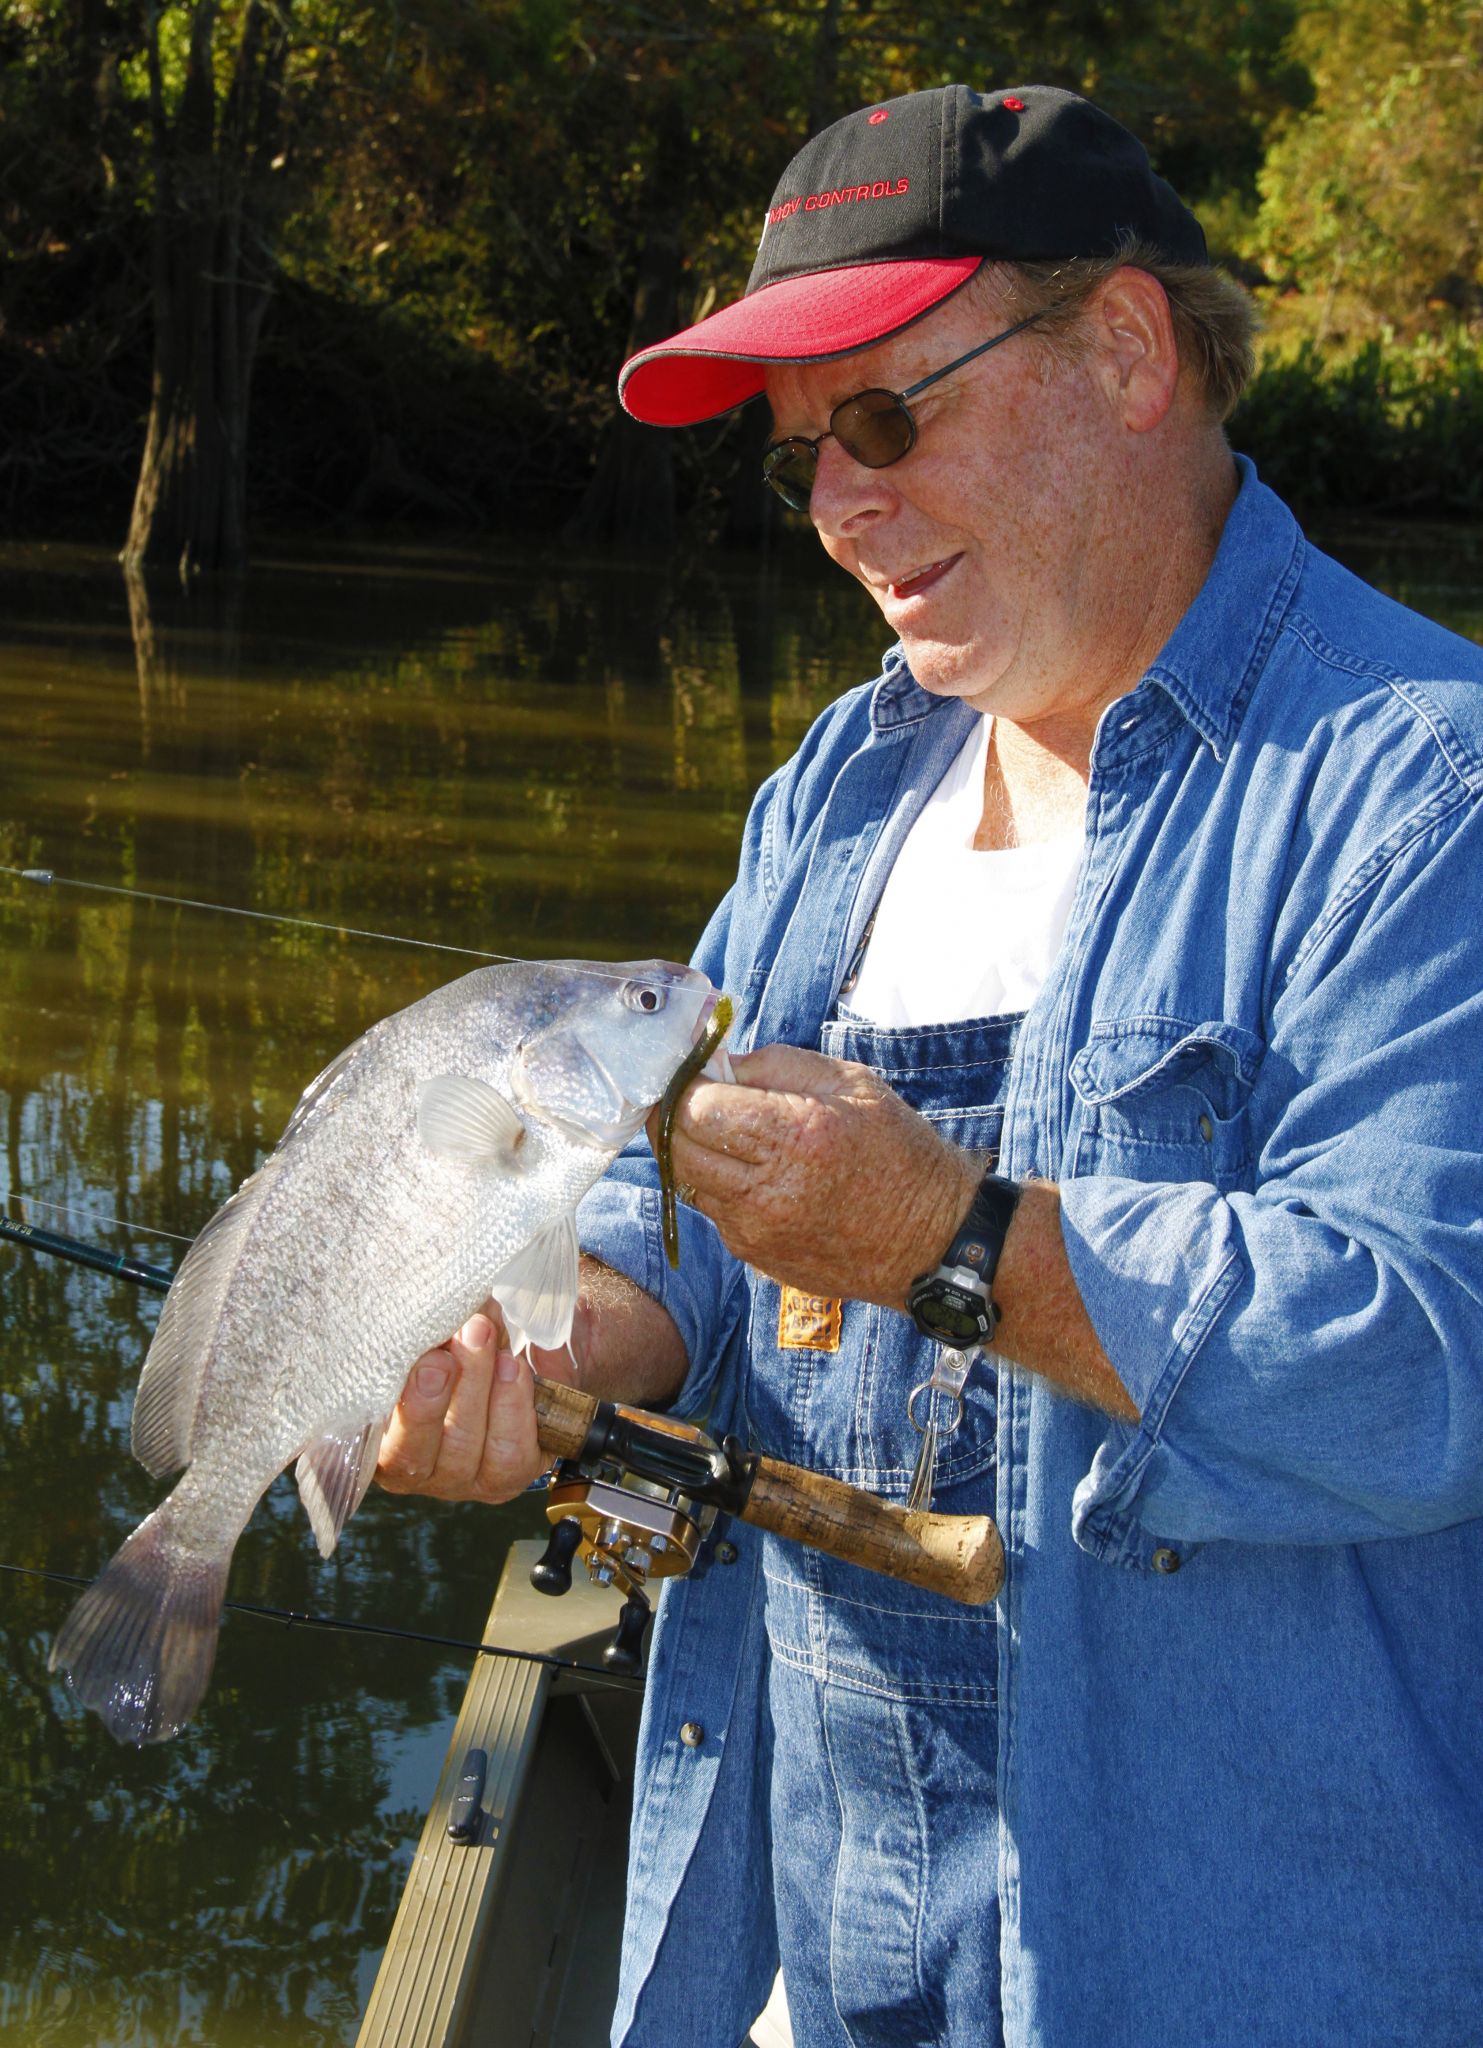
[[377, 429]]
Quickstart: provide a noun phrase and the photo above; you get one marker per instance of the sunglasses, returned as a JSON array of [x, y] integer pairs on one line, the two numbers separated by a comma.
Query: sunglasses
[[875, 427]]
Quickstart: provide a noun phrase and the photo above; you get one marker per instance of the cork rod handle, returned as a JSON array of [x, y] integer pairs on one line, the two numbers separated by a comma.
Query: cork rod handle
[[960, 1556]]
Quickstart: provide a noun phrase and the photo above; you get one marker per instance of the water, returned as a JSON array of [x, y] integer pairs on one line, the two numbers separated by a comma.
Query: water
[[502, 749]]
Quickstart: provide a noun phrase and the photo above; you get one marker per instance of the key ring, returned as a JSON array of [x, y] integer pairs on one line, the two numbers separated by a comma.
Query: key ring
[[948, 1376]]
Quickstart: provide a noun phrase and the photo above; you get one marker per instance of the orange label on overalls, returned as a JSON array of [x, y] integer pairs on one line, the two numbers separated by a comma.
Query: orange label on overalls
[[808, 1322]]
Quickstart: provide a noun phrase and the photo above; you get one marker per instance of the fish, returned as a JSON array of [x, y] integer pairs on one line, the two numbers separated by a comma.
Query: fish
[[436, 1162]]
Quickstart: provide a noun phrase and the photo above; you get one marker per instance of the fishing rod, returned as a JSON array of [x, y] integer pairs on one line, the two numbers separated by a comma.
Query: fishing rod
[[293, 1617], [79, 1254], [636, 1495], [48, 878]]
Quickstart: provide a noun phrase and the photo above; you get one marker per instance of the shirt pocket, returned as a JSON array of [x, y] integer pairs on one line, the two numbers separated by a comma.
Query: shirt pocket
[[1159, 1099]]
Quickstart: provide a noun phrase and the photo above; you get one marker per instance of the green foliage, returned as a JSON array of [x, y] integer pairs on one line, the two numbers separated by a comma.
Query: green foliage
[[1379, 187], [468, 192], [1391, 429]]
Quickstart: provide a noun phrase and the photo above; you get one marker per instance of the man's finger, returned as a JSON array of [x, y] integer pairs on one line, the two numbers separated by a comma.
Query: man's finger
[[467, 1422], [511, 1454], [414, 1435], [794, 1069]]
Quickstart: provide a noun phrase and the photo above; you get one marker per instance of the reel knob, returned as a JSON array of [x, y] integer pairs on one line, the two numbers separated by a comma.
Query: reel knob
[[552, 1570], [625, 1652]]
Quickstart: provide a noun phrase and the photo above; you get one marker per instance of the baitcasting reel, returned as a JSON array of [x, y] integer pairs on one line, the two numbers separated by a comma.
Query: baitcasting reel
[[636, 1503]]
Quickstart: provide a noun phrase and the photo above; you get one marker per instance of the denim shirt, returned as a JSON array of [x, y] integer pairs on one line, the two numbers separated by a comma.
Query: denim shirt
[[1240, 1672]]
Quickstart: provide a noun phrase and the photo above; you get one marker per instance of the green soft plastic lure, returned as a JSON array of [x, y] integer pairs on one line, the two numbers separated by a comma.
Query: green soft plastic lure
[[669, 1103]]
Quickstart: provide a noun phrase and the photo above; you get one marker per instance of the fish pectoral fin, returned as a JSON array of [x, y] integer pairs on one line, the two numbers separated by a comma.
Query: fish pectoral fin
[[333, 1474], [537, 1291], [465, 1120]]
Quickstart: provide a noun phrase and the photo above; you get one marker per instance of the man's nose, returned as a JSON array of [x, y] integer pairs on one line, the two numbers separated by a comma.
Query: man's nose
[[846, 495]]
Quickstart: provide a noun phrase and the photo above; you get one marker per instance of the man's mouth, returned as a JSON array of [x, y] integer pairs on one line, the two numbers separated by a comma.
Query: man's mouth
[[920, 579]]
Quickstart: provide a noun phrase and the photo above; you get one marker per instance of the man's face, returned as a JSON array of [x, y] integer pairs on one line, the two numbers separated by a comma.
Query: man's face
[[994, 549]]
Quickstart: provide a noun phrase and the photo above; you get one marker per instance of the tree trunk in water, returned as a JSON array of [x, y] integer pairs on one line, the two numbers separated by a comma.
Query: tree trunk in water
[[632, 493], [211, 283]]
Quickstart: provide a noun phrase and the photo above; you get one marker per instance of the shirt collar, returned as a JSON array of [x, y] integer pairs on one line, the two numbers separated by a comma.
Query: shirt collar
[[898, 699], [1210, 663]]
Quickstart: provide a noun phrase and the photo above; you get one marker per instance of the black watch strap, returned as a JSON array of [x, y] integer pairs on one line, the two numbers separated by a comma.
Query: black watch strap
[[953, 1304], [981, 1235]]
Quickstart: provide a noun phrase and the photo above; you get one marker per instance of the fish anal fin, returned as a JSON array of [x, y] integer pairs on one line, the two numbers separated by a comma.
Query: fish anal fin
[[463, 1119], [537, 1290], [333, 1474], [162, 1429]]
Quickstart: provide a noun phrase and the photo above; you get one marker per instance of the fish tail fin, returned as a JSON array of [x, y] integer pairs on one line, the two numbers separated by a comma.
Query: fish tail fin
[[139, 1645]]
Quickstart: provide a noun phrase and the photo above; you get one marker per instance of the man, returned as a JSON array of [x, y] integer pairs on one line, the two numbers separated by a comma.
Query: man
[[1118, 951]]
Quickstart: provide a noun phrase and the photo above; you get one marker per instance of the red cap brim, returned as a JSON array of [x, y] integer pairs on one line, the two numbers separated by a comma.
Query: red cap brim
[[722, 360]]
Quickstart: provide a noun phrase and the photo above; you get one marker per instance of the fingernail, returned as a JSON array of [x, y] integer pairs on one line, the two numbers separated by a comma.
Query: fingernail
[[476, 1333], [506, 1366], [432, 1380]]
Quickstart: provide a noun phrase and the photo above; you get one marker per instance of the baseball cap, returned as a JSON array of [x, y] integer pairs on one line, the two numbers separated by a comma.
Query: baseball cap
[[889, 211]]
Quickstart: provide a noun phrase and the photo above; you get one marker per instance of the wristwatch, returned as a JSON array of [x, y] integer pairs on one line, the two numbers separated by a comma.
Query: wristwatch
[[954, 1303]]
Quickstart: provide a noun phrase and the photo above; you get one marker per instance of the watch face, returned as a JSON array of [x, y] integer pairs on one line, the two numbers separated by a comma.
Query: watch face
[[953, 1315]]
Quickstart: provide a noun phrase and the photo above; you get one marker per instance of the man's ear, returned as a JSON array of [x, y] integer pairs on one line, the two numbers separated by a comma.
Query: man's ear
[[1135, 332]]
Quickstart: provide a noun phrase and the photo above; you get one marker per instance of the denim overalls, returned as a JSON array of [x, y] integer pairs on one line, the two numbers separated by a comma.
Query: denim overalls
[[883, 1697]]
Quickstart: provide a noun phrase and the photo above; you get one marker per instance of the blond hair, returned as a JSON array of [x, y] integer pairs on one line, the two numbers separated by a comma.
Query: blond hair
[[1214, 318]]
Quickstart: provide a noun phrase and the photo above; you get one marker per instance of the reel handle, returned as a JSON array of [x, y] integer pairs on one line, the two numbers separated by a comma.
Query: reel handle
[[960, 1556]]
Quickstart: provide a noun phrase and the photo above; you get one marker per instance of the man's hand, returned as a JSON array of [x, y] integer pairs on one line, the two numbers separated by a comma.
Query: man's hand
[[816, 1173], [465, 1427]]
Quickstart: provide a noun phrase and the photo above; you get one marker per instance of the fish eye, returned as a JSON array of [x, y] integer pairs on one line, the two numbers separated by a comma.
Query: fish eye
[[642, 995]]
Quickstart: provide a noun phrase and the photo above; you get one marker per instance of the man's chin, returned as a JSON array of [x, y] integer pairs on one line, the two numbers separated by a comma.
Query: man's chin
[[944, 669]]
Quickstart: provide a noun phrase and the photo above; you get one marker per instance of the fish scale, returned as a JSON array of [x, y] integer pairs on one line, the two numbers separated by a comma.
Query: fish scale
[[436, 1161]]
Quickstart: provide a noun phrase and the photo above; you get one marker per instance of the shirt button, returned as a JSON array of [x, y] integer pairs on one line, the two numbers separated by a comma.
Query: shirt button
[[1207, 1129], [1166, 1560], [692, 1735]]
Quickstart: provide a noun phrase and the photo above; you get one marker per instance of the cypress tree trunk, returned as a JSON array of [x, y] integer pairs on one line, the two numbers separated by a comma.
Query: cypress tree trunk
[[211, 283]]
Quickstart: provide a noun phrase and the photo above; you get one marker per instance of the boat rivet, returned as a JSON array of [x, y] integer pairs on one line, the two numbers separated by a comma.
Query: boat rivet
[[726, 1553], [692, 1735]]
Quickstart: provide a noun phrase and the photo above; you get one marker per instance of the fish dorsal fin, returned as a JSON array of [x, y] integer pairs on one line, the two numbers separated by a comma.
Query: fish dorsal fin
[[333, 1474], [164, 1420], [465, 1120], [537, 1290]]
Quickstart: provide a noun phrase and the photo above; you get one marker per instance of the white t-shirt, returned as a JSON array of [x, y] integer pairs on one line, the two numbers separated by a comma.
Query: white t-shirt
[[959, 933]]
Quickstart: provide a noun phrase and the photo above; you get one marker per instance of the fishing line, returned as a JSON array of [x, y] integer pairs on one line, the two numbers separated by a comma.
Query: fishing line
[[48, 879], [95, 1216], [289, 1617]]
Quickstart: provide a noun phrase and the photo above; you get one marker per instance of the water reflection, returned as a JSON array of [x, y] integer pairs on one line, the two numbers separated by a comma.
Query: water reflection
[[470, 751], [469, 748]]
